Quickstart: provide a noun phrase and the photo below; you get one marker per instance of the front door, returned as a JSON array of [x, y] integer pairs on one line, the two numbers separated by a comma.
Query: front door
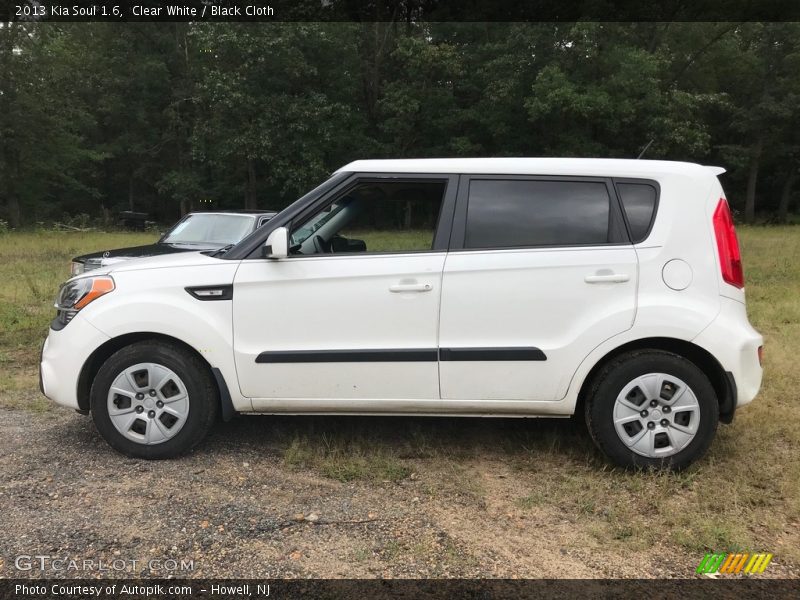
[[353, 312]]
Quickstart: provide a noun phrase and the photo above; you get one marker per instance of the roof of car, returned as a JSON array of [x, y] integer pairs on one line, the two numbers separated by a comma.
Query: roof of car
[[605, 167], [234, 212]]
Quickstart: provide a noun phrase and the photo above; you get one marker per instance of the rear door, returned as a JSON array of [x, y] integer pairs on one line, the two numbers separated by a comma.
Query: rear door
[[540, 272]]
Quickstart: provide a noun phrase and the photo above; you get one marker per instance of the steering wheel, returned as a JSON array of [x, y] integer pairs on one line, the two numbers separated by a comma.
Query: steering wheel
[[319, 245]]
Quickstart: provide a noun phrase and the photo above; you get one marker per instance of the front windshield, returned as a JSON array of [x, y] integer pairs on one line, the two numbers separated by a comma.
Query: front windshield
[[210, 229]]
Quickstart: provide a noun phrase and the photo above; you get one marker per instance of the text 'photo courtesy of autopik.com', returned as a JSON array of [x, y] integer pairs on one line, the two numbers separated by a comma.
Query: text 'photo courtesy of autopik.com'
[[399, 299]]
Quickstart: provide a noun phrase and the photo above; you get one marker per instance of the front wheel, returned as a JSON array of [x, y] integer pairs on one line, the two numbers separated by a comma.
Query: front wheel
[[651, 408], [153, 400]]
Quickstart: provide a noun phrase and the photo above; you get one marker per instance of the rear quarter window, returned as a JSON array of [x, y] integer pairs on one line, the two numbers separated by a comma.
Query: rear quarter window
[[639, 201]]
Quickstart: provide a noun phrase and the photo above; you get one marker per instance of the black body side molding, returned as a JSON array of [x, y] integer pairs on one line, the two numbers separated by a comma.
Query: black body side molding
[[315, 356], [490, 354], [402, 355]]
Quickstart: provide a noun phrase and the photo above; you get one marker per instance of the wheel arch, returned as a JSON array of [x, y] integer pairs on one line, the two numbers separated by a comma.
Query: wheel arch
[[722, 381], [105, 350]]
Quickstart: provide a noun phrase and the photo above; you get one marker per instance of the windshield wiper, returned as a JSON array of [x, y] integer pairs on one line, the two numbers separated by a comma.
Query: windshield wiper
[[222, 250]]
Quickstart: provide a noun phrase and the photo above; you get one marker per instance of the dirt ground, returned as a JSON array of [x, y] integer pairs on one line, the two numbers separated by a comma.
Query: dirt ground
[[234, 508]]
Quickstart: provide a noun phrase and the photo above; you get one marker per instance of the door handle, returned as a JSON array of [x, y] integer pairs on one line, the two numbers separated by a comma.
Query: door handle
[[611, 278], [410, 287]]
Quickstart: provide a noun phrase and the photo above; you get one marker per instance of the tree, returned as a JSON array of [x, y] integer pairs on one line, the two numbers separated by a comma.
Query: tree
[[604, 94], [761, 93], [156, 117], [42, 126], [268, 110]]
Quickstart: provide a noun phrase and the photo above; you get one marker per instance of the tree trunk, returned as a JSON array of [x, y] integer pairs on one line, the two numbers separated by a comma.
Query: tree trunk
[[375, 44], [370, 78], [752, 179], [7, 191], [13, 211], [786, 195], [11, 193], [250, 196], [130, 191]]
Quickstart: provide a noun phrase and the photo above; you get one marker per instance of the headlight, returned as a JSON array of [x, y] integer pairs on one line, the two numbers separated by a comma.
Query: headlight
[[76, 268], [77, 293]]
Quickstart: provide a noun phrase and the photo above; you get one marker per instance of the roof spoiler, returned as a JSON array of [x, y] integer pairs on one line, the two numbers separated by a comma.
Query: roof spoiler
[[716, 170]]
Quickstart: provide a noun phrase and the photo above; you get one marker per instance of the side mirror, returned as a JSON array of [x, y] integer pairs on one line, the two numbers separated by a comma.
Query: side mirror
[[277, 245]]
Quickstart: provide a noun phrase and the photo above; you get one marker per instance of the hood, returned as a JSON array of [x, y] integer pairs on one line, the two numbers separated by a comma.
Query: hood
[[156, 249], [165, 261]]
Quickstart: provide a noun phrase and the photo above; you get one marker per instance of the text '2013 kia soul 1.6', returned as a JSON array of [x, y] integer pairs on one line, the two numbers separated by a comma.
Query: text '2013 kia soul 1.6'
[[488, 287]]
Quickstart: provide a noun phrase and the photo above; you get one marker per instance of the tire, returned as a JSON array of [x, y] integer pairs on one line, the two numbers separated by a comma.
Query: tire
[[139, 421], [644, 405]]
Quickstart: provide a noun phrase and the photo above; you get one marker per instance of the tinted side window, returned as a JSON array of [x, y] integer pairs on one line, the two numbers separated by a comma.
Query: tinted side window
[[512, 213], [639, 204]]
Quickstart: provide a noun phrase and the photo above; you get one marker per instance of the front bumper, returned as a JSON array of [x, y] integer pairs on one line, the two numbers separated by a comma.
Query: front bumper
[[64, 354]]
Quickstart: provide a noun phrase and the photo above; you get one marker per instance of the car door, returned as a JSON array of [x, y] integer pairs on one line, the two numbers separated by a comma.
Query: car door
[[353, 312], [540, 272]]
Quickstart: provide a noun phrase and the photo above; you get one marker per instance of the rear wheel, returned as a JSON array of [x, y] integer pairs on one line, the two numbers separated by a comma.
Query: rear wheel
[[153, 400], [651, 408]]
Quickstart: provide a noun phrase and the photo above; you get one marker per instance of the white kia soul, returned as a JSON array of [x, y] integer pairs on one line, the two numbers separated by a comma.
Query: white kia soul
[[509, 287]]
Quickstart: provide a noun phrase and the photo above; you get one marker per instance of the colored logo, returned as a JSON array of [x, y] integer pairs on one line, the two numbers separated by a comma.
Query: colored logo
[[734, 563]]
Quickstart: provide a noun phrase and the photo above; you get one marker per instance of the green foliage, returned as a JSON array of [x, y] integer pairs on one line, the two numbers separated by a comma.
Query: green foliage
[[597, 98], [44, 153], [97, 118]]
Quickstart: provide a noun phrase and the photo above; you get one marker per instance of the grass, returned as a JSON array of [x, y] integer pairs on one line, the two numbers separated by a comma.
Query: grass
[[744, 495], [345, 458], [32, 266], [392, 241]]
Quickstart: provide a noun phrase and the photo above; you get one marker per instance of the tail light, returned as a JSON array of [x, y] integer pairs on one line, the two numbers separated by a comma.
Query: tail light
[[761, 355], [730, 260]]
